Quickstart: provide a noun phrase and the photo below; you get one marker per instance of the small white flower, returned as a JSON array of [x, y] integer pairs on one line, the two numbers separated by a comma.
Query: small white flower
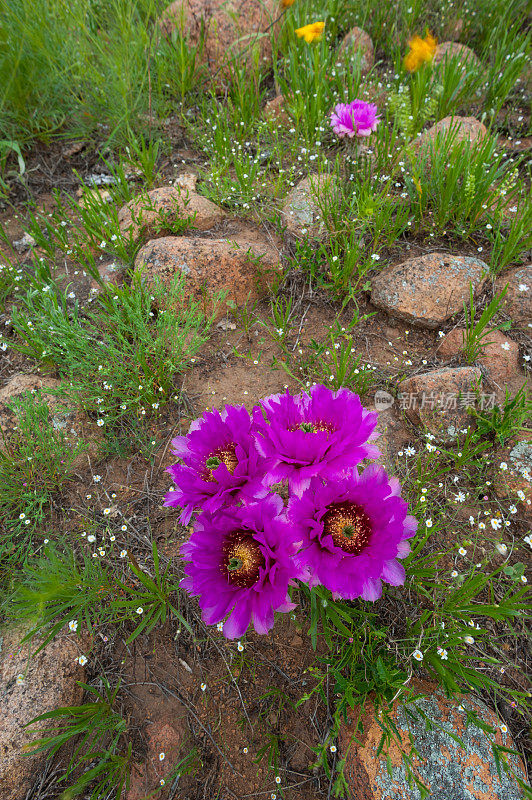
[[20, 680], [277, 779], [220, 626], [123, 553], [454, 574], [240, 647], [73, 625], [106, 511], [428, 523], [97, 478], [524, 579], [203, 687], [100, 422], [505, 345], [161, 756], [91, 538], [503, 465], [332, 748], [495, 524], [140, 610], [82, 660], [501, 548], [469, 640], [504, 729], [462, 551], [123, 528], [523, 287], [418, 655], [410, 451]]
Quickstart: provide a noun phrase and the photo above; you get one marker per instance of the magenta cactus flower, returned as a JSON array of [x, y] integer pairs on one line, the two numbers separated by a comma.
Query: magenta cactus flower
[[355, 529], [241, 563], [354, 119], [316, 434], [221, 465]]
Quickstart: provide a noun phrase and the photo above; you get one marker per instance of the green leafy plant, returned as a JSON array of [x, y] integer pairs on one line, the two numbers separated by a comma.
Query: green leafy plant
[[335, 362], [121, 357], [476, 333], [60, 586], [151, 600], [35, 460], [97, 730], [415, 103], [505, 420]]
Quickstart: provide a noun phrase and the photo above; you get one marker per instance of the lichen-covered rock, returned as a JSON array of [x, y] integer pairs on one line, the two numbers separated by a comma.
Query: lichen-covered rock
[[451, 50], [231, 29], [155, 213], [461, 129], [450, 771], [514, 482], [438, 400], [241, 267], [499, 355], [31, 685], [427, 290], [303, 211], [357, 44], [74, 424], [517, 301]]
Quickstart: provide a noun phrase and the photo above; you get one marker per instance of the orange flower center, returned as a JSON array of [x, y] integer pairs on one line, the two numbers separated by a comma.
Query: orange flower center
[[222, 455], [349, 526], [242, 559]]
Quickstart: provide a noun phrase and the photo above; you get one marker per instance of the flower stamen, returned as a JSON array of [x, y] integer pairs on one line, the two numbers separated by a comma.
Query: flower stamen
[[242, 559], [349, 526], [222, 455]]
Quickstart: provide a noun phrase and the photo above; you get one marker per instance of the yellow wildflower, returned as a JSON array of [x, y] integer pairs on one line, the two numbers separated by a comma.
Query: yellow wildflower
[[288, 3], [311, 33], [421, 51]]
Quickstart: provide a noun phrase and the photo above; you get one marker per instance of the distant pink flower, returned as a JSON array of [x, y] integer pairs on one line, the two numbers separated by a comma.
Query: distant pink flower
[[354, 119]]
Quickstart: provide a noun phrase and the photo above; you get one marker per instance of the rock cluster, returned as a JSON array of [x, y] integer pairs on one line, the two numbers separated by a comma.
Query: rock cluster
[[224, 31]]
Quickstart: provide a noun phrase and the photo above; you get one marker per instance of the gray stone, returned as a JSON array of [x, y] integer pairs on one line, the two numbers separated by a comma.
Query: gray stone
[[427, 290]]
